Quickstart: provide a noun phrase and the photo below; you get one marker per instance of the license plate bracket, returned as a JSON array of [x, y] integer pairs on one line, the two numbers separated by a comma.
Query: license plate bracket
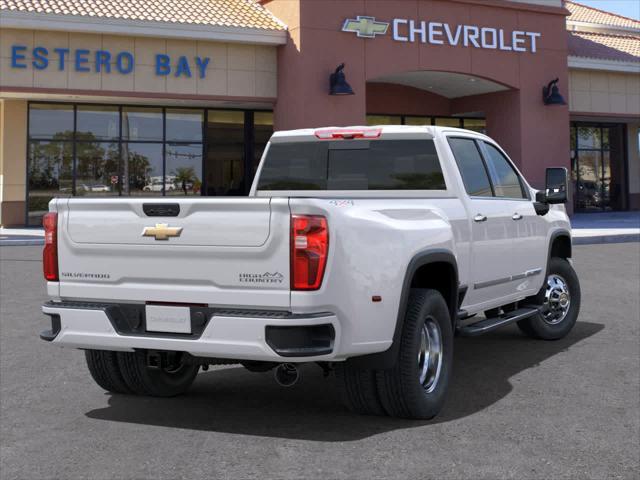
[[168, 319]]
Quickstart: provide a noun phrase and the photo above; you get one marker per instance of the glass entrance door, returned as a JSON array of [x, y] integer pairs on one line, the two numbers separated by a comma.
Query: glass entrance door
[[598, 167]]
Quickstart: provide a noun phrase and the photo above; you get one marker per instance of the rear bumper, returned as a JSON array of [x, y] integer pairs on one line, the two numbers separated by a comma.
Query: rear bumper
[[240, 335]]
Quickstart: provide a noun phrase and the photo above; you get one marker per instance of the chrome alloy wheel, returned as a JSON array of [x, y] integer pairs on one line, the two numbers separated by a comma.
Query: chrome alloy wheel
[[557, 300], [430, 355]]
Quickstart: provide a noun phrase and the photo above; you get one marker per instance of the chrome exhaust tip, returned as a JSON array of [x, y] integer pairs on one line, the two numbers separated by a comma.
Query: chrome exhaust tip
[[286, 374]]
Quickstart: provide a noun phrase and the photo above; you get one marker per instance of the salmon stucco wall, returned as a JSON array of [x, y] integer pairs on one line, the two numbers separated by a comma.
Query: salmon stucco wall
[[393, 99], [535, 135]]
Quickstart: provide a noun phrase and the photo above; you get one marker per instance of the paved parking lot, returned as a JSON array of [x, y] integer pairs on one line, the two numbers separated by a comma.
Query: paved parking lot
[[518, 408]]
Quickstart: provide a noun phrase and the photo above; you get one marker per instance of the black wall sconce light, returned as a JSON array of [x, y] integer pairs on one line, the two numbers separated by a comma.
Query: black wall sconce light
[[338, 83], [551, 94]]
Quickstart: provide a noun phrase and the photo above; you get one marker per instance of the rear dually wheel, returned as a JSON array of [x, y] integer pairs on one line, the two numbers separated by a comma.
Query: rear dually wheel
[[157, 374]]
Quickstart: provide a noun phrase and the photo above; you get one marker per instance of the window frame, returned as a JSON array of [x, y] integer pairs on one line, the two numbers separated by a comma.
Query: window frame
[[484, 166], [485, 153], [575, 159], [524, 186]]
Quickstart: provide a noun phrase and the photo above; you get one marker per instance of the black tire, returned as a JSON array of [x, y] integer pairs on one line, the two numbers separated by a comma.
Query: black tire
[[539, 326], [358, 389], [105, 370], [400, 389], [165, 381]]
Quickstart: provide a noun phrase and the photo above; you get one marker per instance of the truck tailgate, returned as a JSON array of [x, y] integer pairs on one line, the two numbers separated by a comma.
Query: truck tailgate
[[216, 251]]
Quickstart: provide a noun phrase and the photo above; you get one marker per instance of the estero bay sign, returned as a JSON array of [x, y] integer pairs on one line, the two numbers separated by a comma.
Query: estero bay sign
[[84, 60], [439, 33]]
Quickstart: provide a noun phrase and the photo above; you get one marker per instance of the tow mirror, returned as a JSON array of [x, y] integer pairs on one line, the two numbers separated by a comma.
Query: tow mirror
[[557, 185]]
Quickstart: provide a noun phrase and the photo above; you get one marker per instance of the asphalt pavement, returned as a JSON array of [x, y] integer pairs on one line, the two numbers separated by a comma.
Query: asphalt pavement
[[518, 408]]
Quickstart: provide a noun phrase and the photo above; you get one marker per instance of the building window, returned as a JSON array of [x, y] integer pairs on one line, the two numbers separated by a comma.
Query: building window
[[475, 124], [142, 124], [598, 166], [384, 120], [51, 122], [50, 172], [419, 121], [142, 173], [448, 122], [97, 123], [97, 166], [263, 129], [184, 168], [110, 150], [226, 153]]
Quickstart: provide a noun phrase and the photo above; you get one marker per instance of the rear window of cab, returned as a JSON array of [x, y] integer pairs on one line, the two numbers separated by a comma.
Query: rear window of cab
[[352, 165]]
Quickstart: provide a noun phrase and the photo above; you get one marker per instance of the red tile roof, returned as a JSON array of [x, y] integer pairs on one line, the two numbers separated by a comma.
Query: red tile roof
[[582, 13], [225, 13], [624, 48]]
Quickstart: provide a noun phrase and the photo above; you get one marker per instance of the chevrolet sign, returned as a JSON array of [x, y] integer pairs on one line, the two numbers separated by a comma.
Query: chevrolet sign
[[438, 33]]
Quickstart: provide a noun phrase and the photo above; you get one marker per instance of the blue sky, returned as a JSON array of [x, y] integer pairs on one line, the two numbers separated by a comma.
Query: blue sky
[[628, 8]]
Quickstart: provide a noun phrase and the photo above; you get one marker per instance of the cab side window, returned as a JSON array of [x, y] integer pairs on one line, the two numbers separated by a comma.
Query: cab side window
[[474, 174], [504, 178]]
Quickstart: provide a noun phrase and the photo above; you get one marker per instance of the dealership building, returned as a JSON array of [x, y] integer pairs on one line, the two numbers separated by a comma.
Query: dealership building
[[179, 97]]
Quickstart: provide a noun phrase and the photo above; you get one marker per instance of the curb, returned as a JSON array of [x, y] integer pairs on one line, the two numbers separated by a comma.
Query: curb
[[629, 238], [21, 242]]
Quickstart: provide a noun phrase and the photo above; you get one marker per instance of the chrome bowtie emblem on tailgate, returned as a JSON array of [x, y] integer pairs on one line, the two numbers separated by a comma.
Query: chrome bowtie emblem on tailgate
[[162, 231]]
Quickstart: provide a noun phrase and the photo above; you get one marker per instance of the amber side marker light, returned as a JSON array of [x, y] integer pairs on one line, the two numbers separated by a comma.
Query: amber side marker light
[[50, 251]]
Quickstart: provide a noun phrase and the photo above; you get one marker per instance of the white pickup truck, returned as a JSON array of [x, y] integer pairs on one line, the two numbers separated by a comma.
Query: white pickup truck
[[361, 249]]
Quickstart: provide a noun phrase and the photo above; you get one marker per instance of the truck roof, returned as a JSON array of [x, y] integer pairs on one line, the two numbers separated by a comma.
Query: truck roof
[[382, 131]]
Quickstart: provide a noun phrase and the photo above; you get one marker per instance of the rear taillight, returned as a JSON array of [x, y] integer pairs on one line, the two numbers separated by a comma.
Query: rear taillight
[[309, 248], [50, 252]]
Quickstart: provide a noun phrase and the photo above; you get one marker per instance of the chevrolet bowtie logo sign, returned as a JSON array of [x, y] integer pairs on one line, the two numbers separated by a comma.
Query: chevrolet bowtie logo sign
[[162, 231], [365, 27]]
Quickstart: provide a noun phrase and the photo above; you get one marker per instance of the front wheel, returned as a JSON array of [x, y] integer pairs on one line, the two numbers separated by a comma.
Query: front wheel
[[558, 301]]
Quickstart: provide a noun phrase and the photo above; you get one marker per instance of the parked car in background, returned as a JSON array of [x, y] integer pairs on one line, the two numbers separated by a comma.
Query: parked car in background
[[156, 186], [96, 187]]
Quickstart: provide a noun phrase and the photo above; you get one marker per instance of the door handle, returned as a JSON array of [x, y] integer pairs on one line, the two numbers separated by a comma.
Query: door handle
[[516, 216], [480, 218]]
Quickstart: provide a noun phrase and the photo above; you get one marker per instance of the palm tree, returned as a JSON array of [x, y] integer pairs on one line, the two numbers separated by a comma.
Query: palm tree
[[185, 176]]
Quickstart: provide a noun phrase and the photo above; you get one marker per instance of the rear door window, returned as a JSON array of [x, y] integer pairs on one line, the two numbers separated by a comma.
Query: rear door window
[[352, 165], [472, 168]]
